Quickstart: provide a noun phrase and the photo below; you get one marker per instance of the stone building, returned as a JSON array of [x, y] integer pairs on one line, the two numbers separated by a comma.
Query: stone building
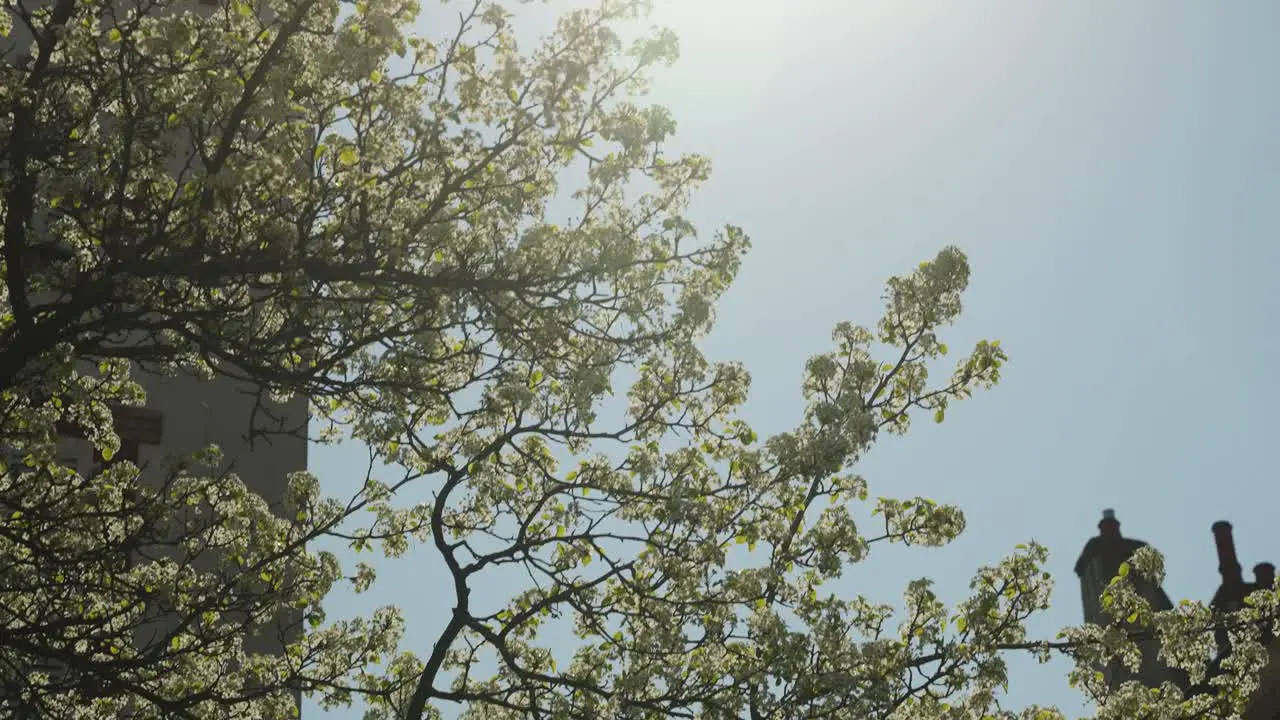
[[1100, 561], [183, 414]]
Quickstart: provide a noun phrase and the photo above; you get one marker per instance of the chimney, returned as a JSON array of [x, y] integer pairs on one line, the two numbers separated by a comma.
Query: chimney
[[1109, 526], [1264, 576], [1228, 565]]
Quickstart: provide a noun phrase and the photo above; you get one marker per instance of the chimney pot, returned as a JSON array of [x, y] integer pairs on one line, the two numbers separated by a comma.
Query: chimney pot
[[1264, 575], [1109, 526], [1228, 564]]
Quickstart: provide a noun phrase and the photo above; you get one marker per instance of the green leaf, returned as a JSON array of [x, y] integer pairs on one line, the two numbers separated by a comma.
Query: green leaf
[[375, 76], [348, 156], [962, 623], [114, 35]]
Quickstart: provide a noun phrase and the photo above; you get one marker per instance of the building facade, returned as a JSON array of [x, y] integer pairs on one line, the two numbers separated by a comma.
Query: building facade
[[261, 441], [1100, 561]]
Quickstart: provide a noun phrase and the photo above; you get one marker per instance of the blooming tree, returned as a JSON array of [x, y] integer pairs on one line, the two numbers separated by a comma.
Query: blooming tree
[[311, 198]]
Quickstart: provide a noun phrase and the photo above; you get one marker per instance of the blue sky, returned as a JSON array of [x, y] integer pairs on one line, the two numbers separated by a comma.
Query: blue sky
[[1113, 172]]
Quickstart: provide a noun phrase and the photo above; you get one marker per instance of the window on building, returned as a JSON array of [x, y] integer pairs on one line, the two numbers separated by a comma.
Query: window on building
[[128, 451]]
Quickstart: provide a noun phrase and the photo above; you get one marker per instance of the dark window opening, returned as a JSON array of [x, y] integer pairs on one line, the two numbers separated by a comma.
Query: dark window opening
[[128, 451]]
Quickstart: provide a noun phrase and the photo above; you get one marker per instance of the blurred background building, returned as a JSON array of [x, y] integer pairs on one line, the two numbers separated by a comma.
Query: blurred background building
[[1100, 562]]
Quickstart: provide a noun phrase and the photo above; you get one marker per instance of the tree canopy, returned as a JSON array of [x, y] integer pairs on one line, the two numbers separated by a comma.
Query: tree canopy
[[311, 198]]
